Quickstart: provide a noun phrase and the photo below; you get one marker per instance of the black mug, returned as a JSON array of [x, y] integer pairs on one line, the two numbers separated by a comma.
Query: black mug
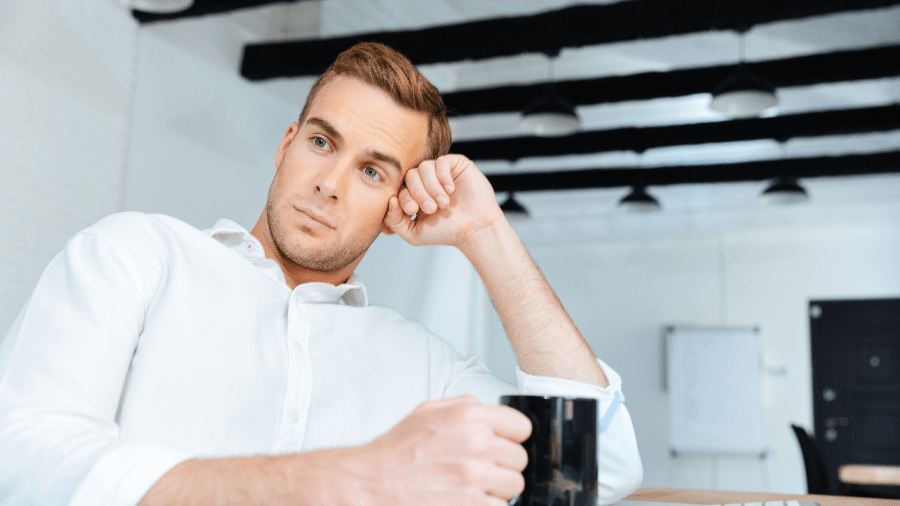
[[562, 450]]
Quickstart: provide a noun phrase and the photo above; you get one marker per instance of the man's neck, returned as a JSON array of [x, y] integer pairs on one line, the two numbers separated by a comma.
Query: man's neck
[[294, 274]]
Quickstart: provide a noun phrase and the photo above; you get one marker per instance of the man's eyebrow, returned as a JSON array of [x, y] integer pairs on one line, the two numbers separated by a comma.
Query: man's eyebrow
[[381, 157], [333, 133], [326, 126]]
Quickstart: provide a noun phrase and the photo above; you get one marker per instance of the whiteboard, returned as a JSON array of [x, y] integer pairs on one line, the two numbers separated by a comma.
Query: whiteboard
[[715, 403]]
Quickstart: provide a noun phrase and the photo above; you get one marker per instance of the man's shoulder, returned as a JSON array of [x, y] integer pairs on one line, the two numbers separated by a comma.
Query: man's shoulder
[[142, 230], [129, 222], [150, 237]]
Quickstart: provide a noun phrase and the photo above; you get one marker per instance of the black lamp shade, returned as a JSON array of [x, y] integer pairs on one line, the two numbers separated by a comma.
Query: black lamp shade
[[639, 201], [743, 94], [550, 116], [784, 190], [513, 209]]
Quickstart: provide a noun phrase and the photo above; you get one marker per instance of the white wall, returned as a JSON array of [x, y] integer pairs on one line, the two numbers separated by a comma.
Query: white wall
[[205, 138], [623, 289], [66, 84]]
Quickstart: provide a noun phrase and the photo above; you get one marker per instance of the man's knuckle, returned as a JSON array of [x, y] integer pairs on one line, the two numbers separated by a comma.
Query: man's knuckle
[[518, 482], [477, 441], [472, 472], [468, 412], [521, 460]]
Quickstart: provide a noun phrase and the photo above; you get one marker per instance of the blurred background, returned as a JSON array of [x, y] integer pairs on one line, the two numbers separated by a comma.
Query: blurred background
[[646, 203]]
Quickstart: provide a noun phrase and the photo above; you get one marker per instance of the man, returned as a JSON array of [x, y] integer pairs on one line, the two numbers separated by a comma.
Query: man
[[157, 364]]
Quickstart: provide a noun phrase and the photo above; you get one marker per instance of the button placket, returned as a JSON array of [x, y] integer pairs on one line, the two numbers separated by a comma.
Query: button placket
[[300, 401], [299, 378]]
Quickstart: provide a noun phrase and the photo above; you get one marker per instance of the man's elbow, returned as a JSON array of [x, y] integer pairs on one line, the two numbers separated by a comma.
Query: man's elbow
[[627, 481]]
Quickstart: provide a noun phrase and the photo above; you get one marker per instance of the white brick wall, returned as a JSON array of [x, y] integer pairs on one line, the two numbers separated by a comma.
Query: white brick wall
[[66, 74]]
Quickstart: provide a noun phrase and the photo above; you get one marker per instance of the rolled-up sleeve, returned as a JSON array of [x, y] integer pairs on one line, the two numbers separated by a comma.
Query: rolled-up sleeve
[[62, 370], [620, 471]]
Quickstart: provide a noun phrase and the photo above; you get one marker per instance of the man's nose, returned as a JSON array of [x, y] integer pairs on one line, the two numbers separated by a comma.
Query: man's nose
[[332, 180]]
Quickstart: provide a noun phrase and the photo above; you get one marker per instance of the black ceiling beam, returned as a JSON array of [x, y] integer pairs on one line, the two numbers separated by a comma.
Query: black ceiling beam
[[840, 122], [800, 71], [547, 32], [803, 168], [203, 8]]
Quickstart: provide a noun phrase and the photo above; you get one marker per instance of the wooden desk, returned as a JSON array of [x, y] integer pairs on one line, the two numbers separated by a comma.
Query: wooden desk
[[722, 497], [859, 474]]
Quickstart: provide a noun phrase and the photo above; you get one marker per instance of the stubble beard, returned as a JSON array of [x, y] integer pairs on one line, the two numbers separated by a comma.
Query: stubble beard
[[327, 258]]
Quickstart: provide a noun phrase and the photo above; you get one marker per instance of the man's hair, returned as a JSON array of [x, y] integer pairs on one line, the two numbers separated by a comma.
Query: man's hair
[[386, 69]]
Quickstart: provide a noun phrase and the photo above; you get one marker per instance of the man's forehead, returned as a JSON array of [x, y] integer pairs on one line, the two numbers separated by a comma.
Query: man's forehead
[[342, 89]]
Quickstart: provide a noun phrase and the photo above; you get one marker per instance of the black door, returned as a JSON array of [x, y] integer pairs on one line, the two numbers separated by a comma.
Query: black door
[[856, 382]]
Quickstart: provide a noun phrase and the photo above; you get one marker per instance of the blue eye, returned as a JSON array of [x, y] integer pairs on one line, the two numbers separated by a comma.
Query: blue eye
[[320, 142], [371, 173]]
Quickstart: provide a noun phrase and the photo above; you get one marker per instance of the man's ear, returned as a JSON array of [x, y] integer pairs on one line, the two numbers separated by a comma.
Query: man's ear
[[285, 142]]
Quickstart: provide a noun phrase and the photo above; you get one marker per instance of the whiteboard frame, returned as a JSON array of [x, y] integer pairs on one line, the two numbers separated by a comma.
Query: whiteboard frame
[[740, 430]]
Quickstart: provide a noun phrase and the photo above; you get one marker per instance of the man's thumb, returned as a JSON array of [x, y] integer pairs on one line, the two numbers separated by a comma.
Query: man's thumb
[[396, 221]]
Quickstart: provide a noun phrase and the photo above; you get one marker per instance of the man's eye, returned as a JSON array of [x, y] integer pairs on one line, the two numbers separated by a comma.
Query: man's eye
[[320, 142], [371, 173]]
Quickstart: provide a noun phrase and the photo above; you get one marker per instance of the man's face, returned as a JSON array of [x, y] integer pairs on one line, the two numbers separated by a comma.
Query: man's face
[[337, 171]]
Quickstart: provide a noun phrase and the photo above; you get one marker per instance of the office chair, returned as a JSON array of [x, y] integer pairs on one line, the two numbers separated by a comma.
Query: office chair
[[817, 481]]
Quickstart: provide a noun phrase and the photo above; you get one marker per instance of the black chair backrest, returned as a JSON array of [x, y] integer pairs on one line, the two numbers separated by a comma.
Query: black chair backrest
[[817, 481]]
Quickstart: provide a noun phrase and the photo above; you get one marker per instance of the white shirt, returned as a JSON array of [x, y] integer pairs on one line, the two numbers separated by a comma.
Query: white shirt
[[148, 342]]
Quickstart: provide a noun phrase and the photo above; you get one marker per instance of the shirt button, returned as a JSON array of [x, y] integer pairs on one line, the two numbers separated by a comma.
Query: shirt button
[[295, 417], [250, 247]]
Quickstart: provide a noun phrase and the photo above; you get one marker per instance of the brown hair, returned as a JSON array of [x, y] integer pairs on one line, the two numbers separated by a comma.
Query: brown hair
[[386, 69]]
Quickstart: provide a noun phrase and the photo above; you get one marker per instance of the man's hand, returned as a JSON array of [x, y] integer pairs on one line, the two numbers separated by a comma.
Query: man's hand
[[452, 451], [450, 198], [448, 452], [455, 205]]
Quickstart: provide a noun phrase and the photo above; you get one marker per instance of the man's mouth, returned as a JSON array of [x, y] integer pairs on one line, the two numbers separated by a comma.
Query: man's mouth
[[315, 217]]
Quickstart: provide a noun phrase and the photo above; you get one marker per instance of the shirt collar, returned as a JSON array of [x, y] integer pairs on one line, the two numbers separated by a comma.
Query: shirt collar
[[235, 237]]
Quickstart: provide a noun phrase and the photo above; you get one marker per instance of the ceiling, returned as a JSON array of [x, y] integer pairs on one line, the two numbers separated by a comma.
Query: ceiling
[[639, 72]]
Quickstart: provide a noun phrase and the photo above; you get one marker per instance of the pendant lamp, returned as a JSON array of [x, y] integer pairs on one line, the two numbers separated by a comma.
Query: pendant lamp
[[784, 191], [513, 209], [550, 115], [743, 94], [639, 201]]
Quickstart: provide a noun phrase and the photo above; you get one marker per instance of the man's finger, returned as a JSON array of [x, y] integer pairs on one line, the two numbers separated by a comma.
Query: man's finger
[[430, 180], [407, 204], [509, 423], [417, 190], [504, 483], [508, 454], [395, 220], [445, 175]]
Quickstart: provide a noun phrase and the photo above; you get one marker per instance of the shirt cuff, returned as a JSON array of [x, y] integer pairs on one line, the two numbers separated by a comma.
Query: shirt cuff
[[123, 476], [608, 397]]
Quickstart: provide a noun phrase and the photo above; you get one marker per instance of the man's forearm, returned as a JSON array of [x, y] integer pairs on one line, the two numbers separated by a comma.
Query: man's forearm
[[249, 481], [449, 451], [545, 339]]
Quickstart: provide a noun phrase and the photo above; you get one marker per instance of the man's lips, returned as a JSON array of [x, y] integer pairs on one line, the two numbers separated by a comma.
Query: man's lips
[[316, 217]]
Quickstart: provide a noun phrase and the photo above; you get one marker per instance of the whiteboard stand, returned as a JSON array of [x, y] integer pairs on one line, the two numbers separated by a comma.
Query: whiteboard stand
[[713, 377]]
